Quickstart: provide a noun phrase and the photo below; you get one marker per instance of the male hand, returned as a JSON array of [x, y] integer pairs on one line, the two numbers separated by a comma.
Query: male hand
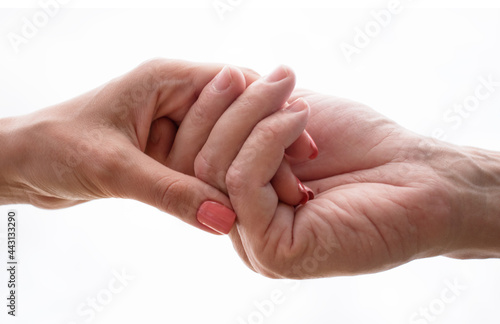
[[384, 196]]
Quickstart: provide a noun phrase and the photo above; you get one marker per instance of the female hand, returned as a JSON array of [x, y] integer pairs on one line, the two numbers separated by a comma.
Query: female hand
[[93, 146], [135, 137], [384, 196]]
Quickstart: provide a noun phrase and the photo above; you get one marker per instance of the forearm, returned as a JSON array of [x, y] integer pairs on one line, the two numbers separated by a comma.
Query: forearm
[[477, 179], [11, 154]]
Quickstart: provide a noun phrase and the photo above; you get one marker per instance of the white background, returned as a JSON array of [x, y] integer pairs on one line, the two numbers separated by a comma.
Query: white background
[[427, 59]]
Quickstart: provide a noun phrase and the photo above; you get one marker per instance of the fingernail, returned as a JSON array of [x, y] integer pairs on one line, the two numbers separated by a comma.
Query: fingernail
[[223, 79], [314, 148], [297, 106], [310, 193], [278, 74], [216, 216], [303, 190]]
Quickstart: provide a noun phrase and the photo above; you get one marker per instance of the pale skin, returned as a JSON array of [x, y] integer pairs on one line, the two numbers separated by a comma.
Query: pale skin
[[134, 137], [384, 196]]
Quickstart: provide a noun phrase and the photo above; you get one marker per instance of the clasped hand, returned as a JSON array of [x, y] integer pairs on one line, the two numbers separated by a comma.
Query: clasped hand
[[306, 185]]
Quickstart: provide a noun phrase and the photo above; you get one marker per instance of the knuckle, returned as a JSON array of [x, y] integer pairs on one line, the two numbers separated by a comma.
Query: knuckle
[[250, 72], [172, 196], [266, 131], [152, 64], [150, 74], [205, 169], [200, 115], [250, 101], [235, 180]]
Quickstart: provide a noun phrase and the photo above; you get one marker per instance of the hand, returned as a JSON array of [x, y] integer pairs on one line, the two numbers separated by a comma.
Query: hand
[[384, 196], [135, 137], [93, 146]]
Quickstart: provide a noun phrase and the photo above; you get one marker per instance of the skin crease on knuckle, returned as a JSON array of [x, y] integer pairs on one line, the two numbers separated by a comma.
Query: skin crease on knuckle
[[239, 178], [207, 171], [167, 82], [236, 180], [260, 94], [269, 255], [173, 196], [201, 114]]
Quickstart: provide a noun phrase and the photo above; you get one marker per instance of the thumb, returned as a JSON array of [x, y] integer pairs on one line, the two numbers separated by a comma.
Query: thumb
[[186, 197]]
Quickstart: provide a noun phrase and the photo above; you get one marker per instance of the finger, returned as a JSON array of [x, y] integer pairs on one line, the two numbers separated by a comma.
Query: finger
[[182, 80], [250, 75], [288, 187], [168, 87], [238, 246], [160, 140], [260, 100], [303, 148], [194, 130], [252, 196], [183, 196]]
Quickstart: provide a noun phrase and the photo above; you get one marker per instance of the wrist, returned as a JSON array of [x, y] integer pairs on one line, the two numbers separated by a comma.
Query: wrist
[[475, 176], [11, 156]]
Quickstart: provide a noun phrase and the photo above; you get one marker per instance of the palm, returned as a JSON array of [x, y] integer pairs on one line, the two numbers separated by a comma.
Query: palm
[[375, 207]]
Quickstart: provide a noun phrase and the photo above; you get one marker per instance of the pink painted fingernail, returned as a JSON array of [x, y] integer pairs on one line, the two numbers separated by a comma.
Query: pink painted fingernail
[[223, 80], [310, 193], [278, 74], [216, 216], [303, 190], [307, 193], [314, 148]]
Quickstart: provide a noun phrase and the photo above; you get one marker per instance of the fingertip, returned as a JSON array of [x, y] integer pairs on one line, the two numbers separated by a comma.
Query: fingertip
[[303, 149], [229, 80], [279, 74], [288, 187], [222, 80], [313, 147], [239, 80], [250, 74], [297, 106], [216, 216]]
